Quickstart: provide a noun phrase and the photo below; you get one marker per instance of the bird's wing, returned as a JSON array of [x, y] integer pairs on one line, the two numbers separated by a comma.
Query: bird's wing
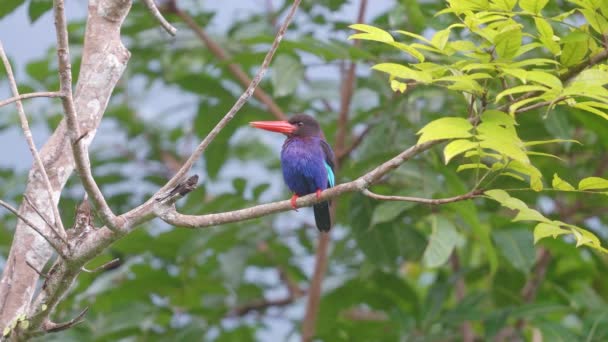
[[329, 162]]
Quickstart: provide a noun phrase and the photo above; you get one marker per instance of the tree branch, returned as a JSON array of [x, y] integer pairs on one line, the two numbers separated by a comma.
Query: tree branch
[[340, 155], [30, 141], [469, 195], [104, 58], [29, 96], [52, 242], [159, 17], [235, 69], [81, 155]]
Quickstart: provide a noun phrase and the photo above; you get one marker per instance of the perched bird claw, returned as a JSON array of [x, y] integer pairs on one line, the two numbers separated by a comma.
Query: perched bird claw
[[293, 202]]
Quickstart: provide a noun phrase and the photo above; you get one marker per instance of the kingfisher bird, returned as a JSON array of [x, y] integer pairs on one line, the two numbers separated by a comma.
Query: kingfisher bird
[[307, 161]]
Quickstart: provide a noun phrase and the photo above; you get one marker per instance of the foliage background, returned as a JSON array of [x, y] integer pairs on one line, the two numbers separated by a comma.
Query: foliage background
[[382, 283]]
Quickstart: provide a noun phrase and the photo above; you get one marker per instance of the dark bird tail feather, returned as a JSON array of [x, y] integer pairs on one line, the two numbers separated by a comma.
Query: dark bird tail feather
[[322, 216]]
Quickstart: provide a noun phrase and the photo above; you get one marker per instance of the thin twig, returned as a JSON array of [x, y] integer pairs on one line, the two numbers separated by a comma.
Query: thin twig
[[45, 220], [469, 195], [234, 68], [238, 104], [81, 155], [354, 144], [40, 273], [30, 141], [43, 217], [51, 242], [29, 96], [49, 326], [539, 105], [107, 265], [159, 17]]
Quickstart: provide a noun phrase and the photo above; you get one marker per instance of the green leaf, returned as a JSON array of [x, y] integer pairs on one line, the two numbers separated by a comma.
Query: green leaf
[[445, 128], [408, 49], [524, 213], [440, 39], [545, 32], [593, 183], [457, 147], [38, 7], [498, 118], [543, 230], [287, 73], [505, 5], [533, 6], [573, 52], [508, 42], [517, 247], [561, 184], [388, 211], [551, 141], [591, 109], [397, 86], [8, 6], [403, 72], [595, 19], [545, 78], [442, 242], [471, 166], [371, 33]]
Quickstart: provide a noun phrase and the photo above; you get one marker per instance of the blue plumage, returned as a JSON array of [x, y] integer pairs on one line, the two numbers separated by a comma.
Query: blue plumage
[[307, 161], [304, 166]]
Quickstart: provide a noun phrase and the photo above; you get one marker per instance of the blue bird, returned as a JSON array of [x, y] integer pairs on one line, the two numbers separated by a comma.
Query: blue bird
[[307, 161]]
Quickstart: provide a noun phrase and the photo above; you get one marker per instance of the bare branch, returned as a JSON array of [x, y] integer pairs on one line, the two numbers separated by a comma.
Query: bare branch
[[108, 265], [182, 189], [49, 326], [29, 96], [340, 155], [55, 244], [235, 69], [30, 141], [159, 17], [59, 236], [40, 273], [81, 155], [540, 105], [469, 195], [238, 104]]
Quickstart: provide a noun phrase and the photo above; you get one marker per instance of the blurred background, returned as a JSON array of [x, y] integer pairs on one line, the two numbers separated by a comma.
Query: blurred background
[[247, 281]]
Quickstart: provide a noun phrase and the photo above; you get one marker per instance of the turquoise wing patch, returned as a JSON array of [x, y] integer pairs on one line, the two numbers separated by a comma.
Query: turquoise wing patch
[[330, 175]]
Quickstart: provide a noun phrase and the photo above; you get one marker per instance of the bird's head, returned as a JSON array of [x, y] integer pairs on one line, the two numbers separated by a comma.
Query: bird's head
[[301, 125]]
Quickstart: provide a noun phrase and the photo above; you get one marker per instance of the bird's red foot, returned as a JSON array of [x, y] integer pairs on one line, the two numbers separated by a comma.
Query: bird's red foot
[[318, 193], [293, 202]]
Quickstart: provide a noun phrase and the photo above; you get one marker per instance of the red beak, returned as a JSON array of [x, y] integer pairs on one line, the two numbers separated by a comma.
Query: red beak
[[274, 126]]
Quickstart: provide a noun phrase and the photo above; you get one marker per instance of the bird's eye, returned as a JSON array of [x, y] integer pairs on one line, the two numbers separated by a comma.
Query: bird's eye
[[300, 123]]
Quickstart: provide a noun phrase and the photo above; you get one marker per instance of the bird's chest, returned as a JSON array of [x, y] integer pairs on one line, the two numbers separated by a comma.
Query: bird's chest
[[303, 166]]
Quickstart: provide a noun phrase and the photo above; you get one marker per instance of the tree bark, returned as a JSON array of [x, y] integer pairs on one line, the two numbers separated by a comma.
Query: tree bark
[[103, 62]]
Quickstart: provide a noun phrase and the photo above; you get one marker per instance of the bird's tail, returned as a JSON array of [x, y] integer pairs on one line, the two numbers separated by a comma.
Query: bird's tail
[[322, 216]]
